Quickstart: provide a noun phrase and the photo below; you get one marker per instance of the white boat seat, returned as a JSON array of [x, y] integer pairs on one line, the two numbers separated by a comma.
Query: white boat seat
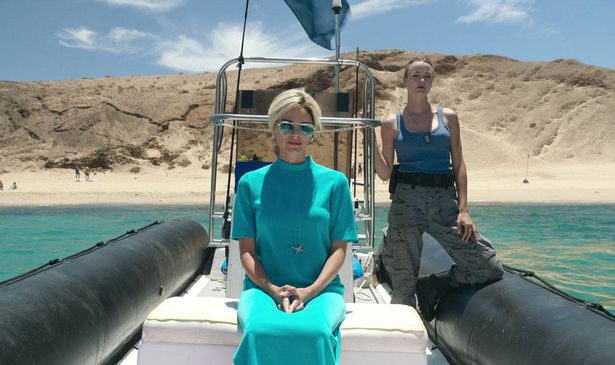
[[194, 330]]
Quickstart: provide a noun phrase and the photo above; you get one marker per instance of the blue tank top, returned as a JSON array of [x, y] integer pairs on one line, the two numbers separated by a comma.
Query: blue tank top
[[424, 153]]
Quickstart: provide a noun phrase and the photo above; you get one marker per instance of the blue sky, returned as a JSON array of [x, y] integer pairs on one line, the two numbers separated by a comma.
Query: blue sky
[[70, 39]]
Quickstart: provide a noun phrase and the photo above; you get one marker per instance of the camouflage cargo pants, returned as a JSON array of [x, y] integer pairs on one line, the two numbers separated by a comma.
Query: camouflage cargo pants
[[415, 210]]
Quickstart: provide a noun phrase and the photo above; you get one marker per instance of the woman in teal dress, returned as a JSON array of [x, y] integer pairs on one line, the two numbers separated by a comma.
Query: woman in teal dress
[[293, 220]]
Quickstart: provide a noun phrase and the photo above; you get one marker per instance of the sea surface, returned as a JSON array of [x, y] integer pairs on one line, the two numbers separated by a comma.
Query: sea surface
[[572, 246]]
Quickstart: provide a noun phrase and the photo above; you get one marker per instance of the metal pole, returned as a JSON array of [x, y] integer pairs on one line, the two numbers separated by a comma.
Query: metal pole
[[337, 6], [354, 134]]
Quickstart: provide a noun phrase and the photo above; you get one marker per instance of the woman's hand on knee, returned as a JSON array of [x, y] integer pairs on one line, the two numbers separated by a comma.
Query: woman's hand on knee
[[281, 295], [289, 298], [300, 298], [466, 227], [295, 306], [286, 305], [304, 295]]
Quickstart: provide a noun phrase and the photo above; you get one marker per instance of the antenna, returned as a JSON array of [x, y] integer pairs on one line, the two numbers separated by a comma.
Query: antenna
[[337, 7]]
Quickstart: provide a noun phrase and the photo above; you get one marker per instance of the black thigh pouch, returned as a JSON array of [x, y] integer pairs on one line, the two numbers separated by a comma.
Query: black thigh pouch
[[393, 180]]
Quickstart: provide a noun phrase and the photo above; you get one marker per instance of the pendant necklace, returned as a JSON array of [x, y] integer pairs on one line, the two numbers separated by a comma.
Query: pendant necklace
[[426, 136], [298, 247]]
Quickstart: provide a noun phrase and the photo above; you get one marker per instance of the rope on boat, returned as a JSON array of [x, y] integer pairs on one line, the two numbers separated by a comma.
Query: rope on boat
[[55, 262], [367, 274], [528, 275]]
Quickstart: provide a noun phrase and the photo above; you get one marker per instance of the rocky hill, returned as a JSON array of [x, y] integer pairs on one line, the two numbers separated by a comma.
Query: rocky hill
[[557, 112]]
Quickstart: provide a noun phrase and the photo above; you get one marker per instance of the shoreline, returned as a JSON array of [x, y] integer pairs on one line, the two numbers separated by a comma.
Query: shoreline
[[561, 185], [206, 205], [29, 199]]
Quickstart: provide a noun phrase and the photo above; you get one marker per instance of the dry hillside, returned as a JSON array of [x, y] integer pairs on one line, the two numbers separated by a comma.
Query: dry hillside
[[560, 111]]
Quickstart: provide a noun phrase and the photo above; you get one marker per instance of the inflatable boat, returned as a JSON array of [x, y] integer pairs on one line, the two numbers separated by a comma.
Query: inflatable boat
[[521, 319], [89, 308], [155, 295]]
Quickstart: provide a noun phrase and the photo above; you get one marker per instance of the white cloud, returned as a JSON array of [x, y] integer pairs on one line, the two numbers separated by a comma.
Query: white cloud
[[77, 38], [496, 11], [154, 5], [369, 8], [188, 54], [118, 40], [183, 54], [123, 35]]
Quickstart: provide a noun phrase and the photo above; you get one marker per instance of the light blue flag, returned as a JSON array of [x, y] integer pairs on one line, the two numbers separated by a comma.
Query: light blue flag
[[317, 18]]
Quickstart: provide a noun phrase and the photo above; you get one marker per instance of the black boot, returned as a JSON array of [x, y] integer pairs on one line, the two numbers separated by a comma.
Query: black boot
[[428, 292]]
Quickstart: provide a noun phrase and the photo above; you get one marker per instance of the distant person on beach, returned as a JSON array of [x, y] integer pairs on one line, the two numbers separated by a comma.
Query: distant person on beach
[[293, 219], [14, 187], [429, 194], [87, 173], [77, 172], [1, 186]]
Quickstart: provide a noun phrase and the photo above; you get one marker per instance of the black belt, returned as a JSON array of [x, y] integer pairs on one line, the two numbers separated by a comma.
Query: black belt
[[427, 180]]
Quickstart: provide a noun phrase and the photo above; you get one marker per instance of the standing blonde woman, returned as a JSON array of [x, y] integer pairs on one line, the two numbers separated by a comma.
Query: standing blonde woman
[[430, 196], [293, 220]]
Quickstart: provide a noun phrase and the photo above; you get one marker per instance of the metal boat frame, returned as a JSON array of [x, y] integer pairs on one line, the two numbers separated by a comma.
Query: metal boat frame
[[364, 213]]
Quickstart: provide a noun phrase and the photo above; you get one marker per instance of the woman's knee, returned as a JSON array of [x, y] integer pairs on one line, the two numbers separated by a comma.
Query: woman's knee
[[315, 330], [493, 272], [497, 270]]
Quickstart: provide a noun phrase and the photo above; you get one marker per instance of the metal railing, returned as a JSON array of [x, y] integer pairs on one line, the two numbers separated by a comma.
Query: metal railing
[[367, 213]]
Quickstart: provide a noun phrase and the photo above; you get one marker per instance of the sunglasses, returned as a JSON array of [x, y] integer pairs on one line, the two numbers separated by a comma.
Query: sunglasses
[[288, 128]]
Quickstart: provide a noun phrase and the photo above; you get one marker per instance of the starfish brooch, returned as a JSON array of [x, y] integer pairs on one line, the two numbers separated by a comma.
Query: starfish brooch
[[298, 249]]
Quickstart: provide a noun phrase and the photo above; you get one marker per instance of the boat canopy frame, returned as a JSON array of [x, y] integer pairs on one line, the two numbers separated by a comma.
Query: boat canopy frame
[[364, 213]]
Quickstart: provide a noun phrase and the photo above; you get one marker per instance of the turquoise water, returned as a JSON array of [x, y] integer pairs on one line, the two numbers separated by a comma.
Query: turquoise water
[[573, 246]]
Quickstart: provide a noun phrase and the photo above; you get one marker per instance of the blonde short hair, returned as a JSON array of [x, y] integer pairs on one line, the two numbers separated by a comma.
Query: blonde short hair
[[289, 100]]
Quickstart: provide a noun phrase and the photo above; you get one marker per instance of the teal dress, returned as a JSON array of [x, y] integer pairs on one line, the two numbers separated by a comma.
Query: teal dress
[[294, 212]]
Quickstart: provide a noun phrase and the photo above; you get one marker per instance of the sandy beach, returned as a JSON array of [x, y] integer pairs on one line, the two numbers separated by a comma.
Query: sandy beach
[[585, 183], [553, 117]]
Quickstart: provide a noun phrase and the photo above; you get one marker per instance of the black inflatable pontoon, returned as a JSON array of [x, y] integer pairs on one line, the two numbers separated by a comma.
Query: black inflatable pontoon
[[89, 307], [515, 321]]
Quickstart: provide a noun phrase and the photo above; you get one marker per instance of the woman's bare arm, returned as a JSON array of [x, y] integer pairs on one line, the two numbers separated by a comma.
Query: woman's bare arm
[[385, 156], [332, 266], [255, 271], [465, 225]]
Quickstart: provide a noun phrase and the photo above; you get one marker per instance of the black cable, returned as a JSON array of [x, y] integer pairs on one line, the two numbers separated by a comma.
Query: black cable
[[235, 147], [594, 307], [55, 262], [354, 135]]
